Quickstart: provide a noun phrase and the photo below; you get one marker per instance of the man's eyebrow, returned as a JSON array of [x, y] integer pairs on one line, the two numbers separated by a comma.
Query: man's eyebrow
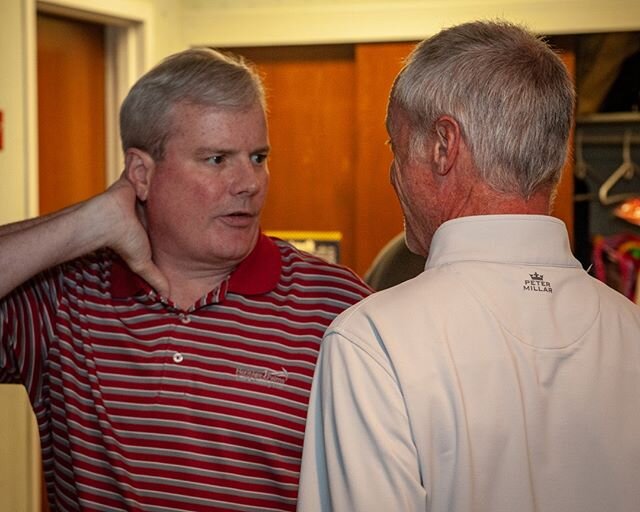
[[207, 150]]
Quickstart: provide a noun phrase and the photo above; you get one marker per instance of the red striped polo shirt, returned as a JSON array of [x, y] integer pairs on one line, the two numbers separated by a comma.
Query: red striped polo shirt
[[143, 406]]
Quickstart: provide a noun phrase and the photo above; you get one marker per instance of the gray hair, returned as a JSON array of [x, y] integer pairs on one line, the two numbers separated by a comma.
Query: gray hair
[[508, 90], [198, 76]]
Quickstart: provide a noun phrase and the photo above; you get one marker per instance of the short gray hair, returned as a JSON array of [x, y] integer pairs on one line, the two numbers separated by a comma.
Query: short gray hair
[[198, 76], [508, 90]]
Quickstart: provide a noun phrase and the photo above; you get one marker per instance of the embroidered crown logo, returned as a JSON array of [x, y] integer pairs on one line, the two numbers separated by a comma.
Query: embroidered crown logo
[[536, 283]]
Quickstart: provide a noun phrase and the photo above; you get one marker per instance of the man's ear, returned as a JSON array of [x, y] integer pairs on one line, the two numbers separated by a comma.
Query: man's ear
[[139, 167], [447, 144]]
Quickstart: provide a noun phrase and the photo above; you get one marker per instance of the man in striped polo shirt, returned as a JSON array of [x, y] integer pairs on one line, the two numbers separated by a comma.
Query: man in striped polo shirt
[[166, 344]]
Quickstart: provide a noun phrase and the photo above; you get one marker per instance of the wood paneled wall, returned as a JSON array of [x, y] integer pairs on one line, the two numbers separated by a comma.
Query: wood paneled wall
[[378, 212], [330, 163], [310, 94]]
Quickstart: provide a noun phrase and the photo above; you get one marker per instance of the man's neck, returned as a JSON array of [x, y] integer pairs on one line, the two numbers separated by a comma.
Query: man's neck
[[189, 284], [482, 200]]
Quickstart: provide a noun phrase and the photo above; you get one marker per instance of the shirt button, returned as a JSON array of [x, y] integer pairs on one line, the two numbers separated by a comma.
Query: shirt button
[[178, 357], [185, 319]]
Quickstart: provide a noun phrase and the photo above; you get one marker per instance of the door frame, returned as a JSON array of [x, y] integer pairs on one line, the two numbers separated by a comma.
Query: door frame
[[128, 35]]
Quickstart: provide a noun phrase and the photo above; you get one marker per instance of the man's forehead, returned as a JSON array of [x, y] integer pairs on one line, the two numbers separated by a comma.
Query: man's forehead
[[191, 107], [202, 139], [186, 115]]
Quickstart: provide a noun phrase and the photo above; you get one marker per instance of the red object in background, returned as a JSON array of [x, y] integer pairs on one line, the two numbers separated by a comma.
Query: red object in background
[[629, 211], [616, 261]]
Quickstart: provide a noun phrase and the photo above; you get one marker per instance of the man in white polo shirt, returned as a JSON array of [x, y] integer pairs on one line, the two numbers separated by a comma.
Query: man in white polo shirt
[[503, 378]]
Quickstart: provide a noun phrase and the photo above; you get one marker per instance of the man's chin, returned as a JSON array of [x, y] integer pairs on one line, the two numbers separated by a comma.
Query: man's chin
[[237, 246]]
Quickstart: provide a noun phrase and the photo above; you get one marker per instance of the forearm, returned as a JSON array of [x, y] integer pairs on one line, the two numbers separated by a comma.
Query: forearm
[[28, 247], [14, 227]]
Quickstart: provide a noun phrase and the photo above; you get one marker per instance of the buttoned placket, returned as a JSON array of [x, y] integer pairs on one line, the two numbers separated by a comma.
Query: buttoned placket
[[184, 317], [177, 357]]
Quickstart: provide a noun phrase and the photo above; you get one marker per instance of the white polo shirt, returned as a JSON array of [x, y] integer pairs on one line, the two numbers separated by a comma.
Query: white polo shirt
[[502, 379]]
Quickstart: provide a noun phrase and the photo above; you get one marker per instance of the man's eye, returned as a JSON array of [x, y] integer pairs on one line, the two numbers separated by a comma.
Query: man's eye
[[215, 159], [258, 158]]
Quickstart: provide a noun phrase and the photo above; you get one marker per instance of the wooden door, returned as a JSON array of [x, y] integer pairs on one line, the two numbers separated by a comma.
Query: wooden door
[[71, 119], [311, 102], [378, 212]]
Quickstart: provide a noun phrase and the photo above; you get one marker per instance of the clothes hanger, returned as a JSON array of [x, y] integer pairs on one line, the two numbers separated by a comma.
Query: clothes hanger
[[581, 168], [582, 171], [626, 171]]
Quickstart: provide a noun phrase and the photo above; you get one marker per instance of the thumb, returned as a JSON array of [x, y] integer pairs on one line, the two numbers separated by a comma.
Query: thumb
[[148, 271]]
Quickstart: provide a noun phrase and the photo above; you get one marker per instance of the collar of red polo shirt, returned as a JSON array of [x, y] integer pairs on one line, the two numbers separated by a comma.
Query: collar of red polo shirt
[[258, 273]]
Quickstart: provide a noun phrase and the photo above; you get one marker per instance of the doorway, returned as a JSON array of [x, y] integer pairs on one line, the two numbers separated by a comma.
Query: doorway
[[71, 110]]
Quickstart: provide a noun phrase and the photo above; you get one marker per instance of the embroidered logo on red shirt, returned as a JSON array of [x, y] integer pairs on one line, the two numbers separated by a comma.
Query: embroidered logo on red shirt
[[264, 376]]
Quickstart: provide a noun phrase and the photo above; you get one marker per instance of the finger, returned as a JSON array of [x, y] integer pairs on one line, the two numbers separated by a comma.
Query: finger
[[152, 275], [157, 280]]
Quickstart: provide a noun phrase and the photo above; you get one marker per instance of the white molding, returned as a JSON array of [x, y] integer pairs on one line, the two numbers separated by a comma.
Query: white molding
[[125, 64], [112, 12], [31, 177], [273, 22]]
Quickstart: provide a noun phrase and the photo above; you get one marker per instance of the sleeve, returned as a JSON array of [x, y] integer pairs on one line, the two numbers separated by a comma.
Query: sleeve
[[26, 328], [358, 452]]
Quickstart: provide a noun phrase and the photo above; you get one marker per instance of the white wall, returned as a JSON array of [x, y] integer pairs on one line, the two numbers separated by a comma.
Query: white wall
[[279, 22], [14, 200], [169, 28]]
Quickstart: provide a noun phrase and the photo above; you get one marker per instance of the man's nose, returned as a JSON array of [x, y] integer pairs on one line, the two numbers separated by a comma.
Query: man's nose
[[246, 178]]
